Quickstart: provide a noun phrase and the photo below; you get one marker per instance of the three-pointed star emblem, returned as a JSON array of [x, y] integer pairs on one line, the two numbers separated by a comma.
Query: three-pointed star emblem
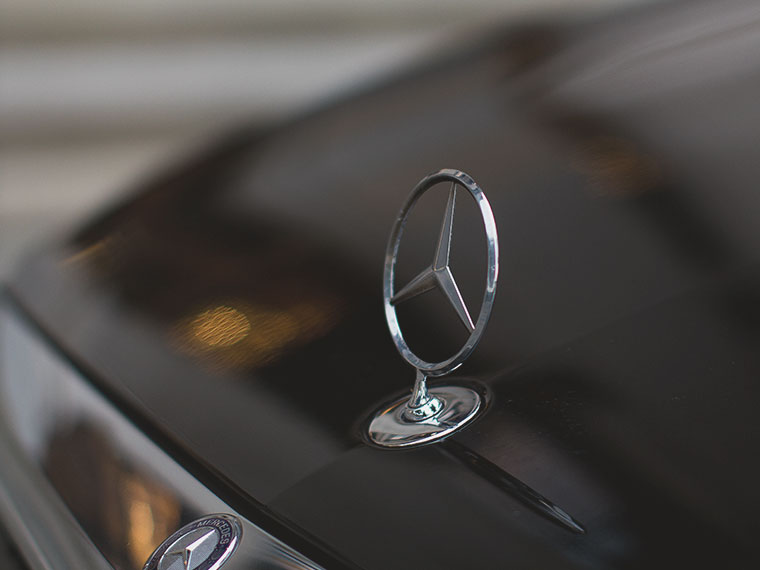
[[196, 552], [439, 275]]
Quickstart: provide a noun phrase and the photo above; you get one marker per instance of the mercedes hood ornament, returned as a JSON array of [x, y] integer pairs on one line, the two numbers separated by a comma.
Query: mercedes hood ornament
[[431, 414]]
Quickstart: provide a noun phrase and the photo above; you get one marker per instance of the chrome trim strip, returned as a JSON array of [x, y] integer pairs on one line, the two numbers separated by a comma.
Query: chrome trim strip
[[42, 395], [39, 522]]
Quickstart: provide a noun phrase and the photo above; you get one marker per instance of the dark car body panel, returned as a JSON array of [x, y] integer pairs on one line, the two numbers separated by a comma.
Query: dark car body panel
[[621, 363]]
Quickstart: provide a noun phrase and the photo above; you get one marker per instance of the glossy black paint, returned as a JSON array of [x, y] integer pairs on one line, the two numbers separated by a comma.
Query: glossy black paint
[[621, 160]]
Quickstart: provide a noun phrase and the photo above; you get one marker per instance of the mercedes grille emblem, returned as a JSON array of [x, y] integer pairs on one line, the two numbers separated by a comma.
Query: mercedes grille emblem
[[205, 544]]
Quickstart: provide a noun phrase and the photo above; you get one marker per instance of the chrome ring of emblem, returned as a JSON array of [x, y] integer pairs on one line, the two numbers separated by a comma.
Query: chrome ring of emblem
[[205, 544], [456, 177], [432, 414]]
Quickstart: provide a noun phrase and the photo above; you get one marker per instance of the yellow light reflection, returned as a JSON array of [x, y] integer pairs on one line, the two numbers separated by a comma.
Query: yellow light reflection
[[239, 334], [616, 168], [152, 515], [221, 326], [141, 530], [88, 253]]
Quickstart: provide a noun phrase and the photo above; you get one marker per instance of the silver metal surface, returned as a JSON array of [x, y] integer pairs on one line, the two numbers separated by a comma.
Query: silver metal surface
[[429, 415], [64, 524], [40, 524], [391, 428], [439, 274], [204, 544]]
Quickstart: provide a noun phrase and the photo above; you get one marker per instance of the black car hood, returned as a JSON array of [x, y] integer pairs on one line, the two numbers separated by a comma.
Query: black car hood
[[235, 305]]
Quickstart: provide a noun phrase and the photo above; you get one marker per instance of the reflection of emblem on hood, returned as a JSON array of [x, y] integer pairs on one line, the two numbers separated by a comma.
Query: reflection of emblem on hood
[[431, 414], [205, 544]]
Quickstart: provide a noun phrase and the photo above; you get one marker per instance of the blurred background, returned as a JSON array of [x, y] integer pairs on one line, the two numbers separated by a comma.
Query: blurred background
[[95, 95]]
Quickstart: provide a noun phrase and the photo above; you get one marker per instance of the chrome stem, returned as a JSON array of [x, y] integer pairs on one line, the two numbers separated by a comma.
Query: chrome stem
[[422, 405]]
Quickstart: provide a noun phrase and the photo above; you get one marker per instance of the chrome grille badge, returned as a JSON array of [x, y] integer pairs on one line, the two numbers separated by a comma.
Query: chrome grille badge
[[432, 414], [205, 544]]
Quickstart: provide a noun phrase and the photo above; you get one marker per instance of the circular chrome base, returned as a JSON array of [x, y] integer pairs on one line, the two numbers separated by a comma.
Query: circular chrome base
[[393, 426]]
